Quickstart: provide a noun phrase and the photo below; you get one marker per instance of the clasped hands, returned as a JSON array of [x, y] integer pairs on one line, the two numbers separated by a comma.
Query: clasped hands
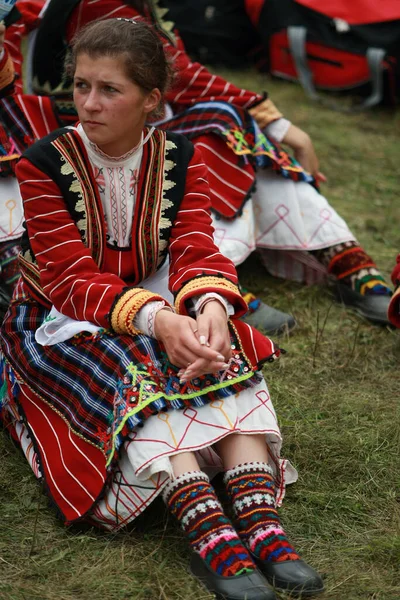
[[198, 346]]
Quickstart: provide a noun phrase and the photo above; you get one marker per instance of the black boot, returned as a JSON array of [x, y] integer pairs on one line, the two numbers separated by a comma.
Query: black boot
[[373, 307], [265, 318], [249, 586], [295, 576]]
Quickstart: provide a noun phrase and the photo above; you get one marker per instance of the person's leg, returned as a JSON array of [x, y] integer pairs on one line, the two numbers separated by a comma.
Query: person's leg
[[360, 285], [352, 266], [193, 501], [234, 219], [251, 488], [250, 484], [236, 240], [294, 216], [220, 560]]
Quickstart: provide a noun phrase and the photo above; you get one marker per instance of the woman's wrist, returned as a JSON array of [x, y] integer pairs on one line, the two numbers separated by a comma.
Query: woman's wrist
[[214, 306], [160, 318], [201, 301], [296, 138]]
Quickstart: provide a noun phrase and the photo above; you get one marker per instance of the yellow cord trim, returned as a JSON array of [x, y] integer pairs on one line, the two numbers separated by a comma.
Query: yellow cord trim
[[7, 73], [127, 307], [265, 113], [198, 285]]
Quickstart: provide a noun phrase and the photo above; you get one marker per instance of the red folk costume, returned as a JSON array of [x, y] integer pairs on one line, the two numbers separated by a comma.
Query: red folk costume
[[294, 227], [195, 85], [89, 401]]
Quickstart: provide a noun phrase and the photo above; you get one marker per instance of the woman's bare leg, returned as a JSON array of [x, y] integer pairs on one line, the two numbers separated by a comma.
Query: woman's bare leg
[[184, 463], [236, 449]]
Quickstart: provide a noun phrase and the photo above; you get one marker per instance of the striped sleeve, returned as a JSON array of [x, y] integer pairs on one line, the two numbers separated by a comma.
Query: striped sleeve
[[16, 35], [69, 276], [194, 83], [196, 265]]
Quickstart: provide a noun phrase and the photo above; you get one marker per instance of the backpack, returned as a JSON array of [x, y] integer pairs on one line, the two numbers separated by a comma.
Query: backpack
[[215, 32], [335, 45]]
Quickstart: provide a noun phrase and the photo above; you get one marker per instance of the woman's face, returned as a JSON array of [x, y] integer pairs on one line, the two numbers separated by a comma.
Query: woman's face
[[111, 108]]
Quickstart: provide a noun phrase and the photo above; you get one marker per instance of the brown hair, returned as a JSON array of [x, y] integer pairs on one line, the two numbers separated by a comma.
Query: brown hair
[[136, 42]]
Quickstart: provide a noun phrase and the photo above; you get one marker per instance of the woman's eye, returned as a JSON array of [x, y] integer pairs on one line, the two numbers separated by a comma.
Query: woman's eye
[[80, 85], [110, 89]]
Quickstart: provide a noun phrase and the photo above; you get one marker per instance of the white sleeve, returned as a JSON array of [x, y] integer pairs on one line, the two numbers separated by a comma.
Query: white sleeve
[[277, 129], [199, 301], [145, 317]]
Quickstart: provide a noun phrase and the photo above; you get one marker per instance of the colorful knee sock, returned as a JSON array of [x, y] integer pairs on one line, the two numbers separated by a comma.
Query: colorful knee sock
[[251, 489], [193, 501], [350, 264]]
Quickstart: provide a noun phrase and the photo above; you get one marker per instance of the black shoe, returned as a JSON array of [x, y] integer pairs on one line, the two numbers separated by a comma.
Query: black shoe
[[249, 586], [373, 307], [270, 320], [294, 576]]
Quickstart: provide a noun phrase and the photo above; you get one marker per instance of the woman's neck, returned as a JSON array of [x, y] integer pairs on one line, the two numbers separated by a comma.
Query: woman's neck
[[122, 148]]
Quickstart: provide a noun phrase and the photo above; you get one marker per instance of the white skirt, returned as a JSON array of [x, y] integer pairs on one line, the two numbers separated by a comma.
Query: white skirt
[[11, 211], [284, 219], [144, 466]]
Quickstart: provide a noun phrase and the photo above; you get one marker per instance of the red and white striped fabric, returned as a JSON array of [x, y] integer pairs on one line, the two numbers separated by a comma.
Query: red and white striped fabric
[[69, 276], [193, 82]]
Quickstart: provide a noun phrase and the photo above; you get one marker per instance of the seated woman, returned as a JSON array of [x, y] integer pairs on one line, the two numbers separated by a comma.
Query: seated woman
[[123, 396], [298, 234]]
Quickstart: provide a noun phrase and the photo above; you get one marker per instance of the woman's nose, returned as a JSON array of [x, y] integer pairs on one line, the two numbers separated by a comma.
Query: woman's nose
[[92, 101]]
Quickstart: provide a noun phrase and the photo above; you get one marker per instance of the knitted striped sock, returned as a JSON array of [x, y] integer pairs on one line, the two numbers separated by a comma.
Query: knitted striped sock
[[350, 264], [251, 489], [192, 500]]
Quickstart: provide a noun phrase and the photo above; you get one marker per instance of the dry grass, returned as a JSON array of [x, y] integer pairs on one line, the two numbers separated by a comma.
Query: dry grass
[[337, 400]]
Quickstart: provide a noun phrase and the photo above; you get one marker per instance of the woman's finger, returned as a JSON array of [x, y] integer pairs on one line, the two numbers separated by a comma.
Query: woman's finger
[[2, 34], [320, 177], [219, 337], [186, 352], [179, 336], [203, 332], [201, 367], [192, 343]]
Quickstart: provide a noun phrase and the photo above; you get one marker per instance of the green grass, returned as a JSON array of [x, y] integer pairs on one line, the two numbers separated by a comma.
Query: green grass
[[337, 396]]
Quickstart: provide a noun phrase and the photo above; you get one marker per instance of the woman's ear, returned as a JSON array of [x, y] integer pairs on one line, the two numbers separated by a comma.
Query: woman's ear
[[153, 100]]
